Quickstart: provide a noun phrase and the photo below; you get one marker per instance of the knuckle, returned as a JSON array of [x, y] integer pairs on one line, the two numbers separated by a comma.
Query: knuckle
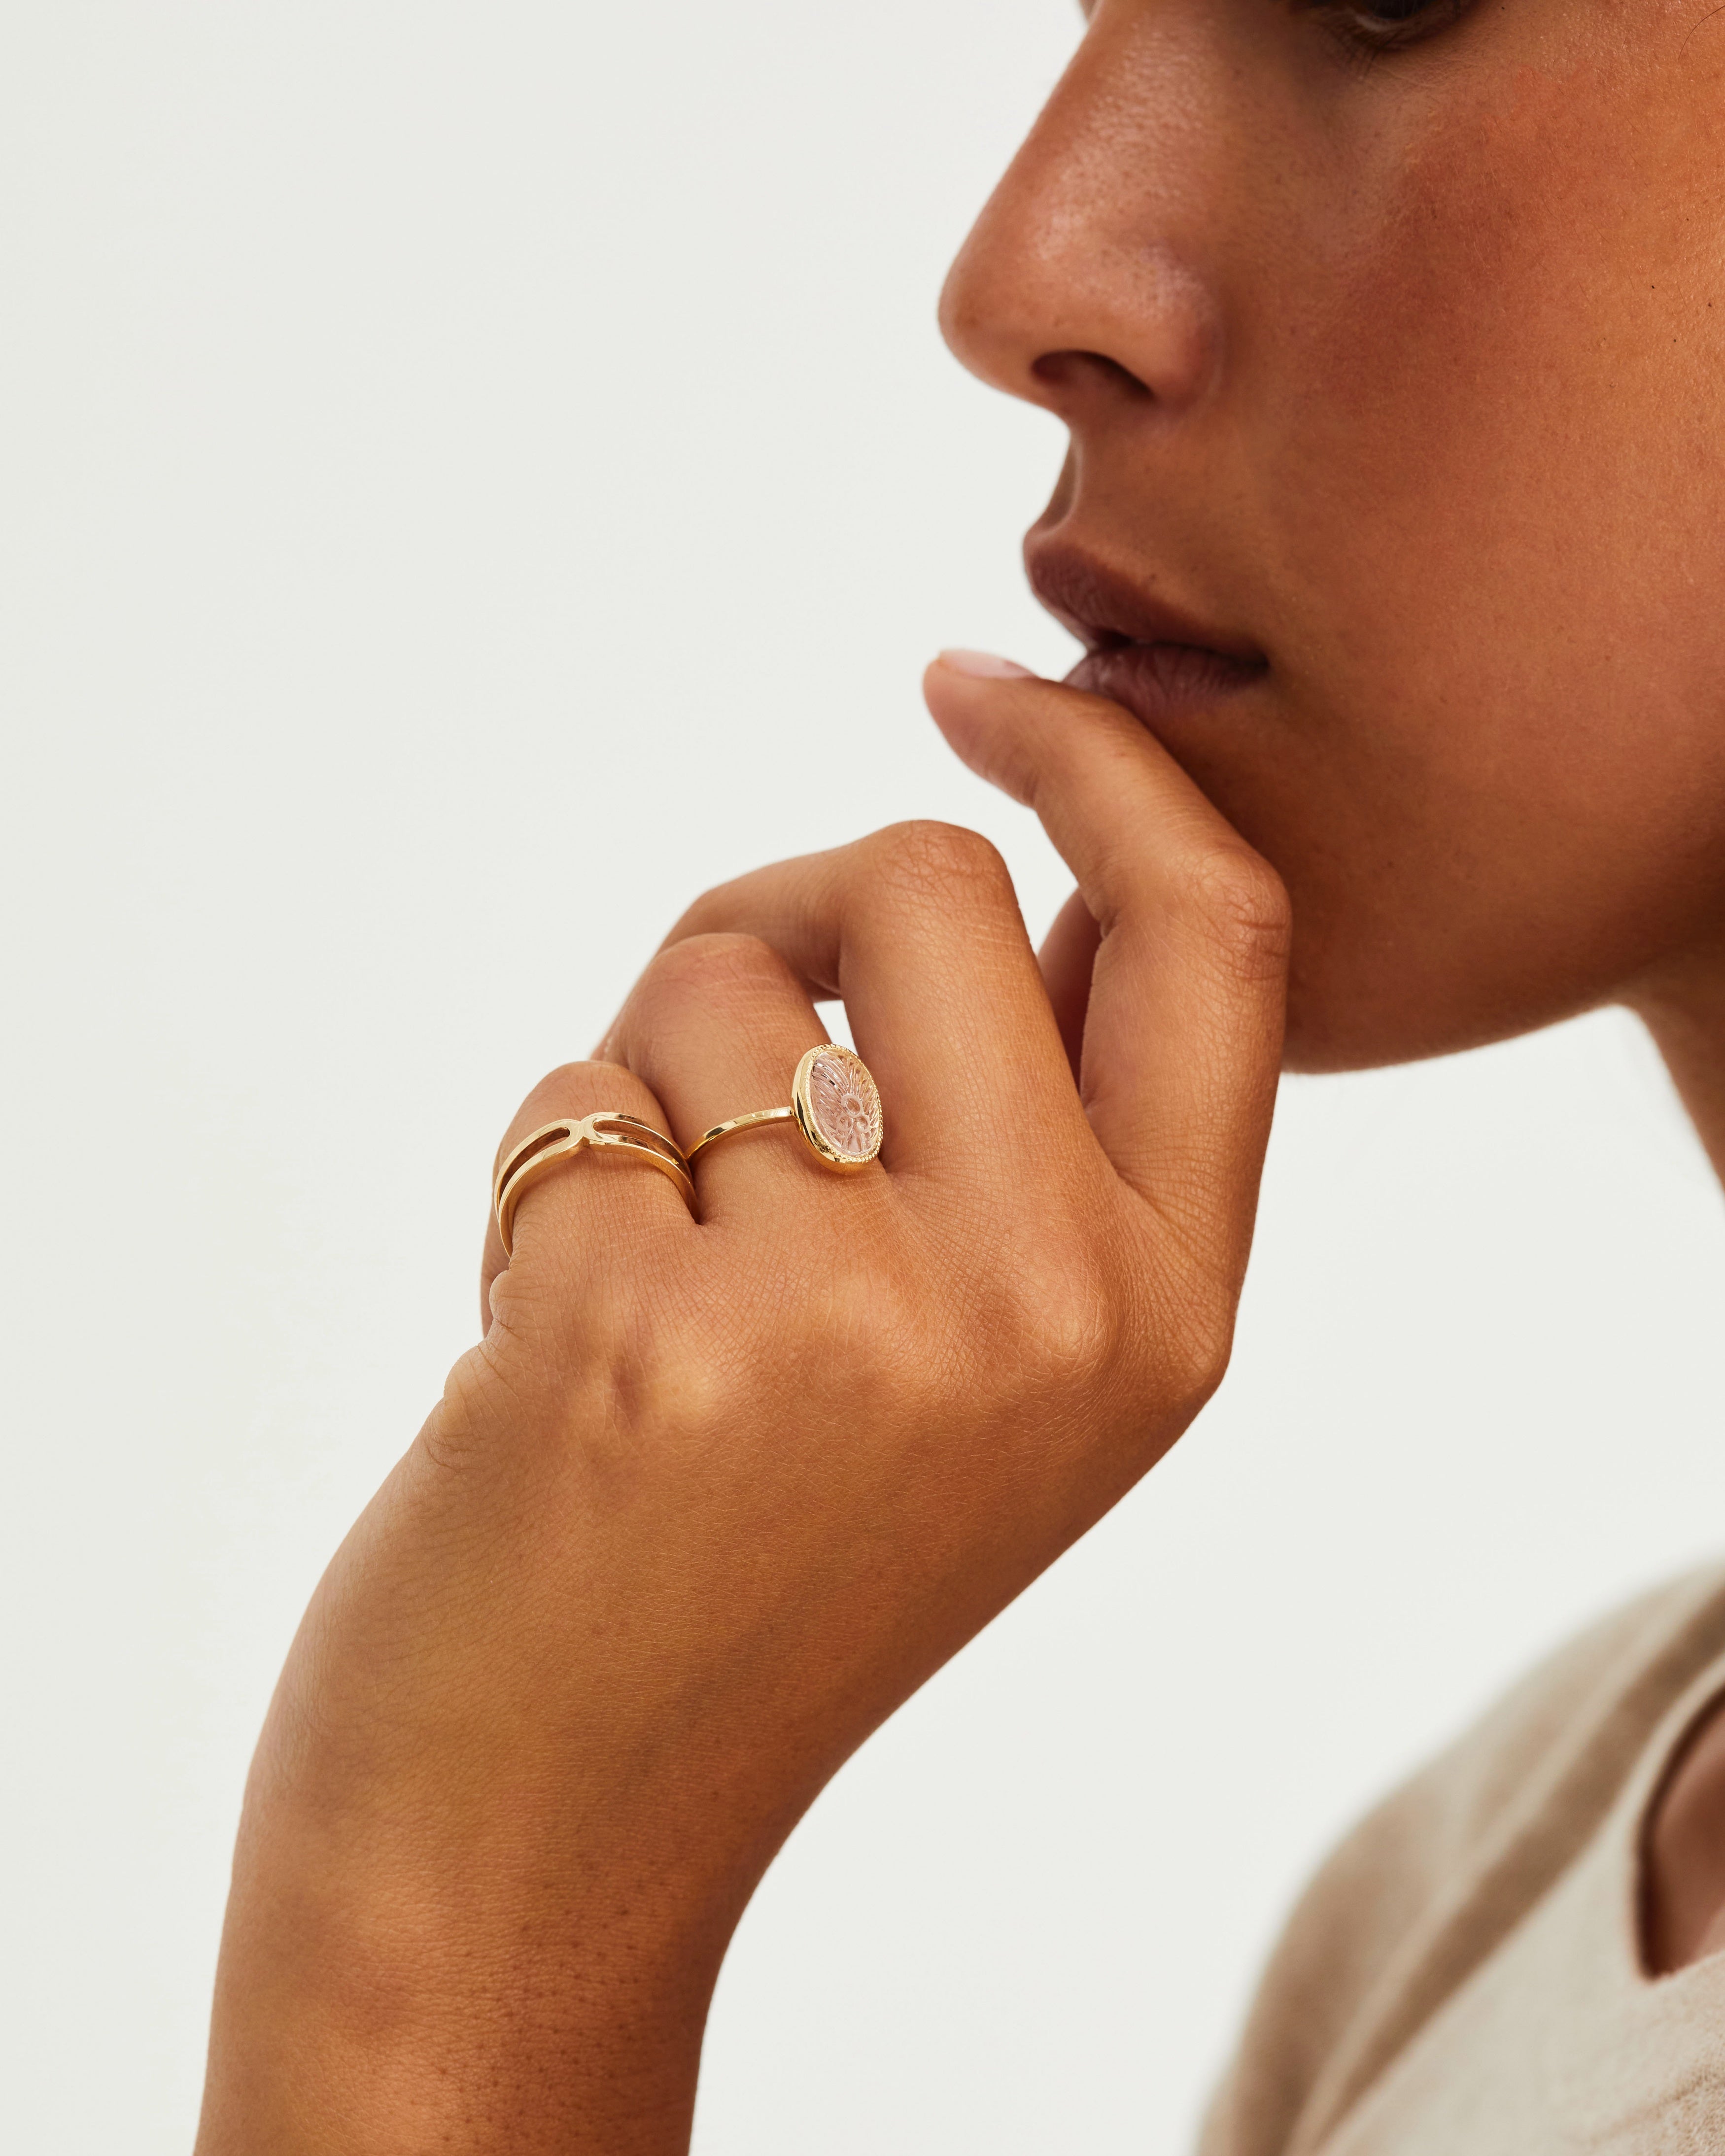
[[1201, 1345], [625, 1378], [717, 963], [472, 1416], [663, 1388], [1074, 1332], [1242, 907], [877, 1332], [846, 1333], [706, 915], [1062, 1314], [927, 860], [572, 1089], [563, 1084]]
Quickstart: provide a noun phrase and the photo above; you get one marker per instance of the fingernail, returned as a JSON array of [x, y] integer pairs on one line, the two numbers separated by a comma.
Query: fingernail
[[986, 666]]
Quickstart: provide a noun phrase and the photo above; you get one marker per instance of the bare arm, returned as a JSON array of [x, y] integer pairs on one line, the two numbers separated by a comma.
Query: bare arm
[[714, 1497]]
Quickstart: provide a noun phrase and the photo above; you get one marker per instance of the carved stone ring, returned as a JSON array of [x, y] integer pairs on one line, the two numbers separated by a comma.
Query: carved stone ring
[[834, 1103]]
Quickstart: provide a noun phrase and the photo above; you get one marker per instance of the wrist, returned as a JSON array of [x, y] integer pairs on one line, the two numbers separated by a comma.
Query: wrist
[[377, 1998]]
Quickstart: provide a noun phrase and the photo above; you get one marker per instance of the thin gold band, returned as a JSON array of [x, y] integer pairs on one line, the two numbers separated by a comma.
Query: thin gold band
[[739, 1123], [552, 1144]]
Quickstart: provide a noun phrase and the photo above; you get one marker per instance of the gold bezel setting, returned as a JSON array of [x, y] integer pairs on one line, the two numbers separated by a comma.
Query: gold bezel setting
[[803, 1106]]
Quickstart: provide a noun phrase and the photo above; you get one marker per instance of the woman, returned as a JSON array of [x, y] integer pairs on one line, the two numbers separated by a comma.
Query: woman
[[1389, 340]]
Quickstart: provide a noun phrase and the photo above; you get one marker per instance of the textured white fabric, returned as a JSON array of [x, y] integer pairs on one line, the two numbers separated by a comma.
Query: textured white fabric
[[1464, 1973]]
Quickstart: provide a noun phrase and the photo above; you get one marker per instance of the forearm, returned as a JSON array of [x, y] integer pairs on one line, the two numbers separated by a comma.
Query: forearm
[[466, 1915], [368, 2002]]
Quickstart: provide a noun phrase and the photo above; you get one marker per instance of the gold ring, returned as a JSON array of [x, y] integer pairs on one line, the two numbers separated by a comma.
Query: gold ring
[[834, 1103], [607, 1130]]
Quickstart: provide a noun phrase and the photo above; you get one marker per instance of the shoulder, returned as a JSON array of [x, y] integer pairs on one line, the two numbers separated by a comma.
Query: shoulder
[[1429, 1881]]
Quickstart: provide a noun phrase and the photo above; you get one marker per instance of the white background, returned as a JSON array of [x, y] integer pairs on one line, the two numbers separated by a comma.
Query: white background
[[468, 478]]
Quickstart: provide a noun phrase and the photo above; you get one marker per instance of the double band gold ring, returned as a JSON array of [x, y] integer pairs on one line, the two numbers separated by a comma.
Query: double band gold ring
[[607, 1130], [834, 1103]]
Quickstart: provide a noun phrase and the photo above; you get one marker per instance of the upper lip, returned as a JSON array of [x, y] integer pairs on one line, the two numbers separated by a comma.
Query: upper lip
[[1105, 610]]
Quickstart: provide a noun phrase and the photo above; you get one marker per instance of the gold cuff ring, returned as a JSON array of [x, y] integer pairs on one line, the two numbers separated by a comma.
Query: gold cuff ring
[[605, 1130], [834, 1103]]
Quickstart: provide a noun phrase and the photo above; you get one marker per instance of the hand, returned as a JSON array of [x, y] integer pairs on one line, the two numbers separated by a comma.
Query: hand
[[715, 1496]]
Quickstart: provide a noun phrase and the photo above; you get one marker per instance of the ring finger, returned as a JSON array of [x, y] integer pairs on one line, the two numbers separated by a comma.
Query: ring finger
[[604, 1202]]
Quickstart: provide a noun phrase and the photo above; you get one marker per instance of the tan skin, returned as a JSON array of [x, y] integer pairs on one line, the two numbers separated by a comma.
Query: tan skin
[[1393, 360]]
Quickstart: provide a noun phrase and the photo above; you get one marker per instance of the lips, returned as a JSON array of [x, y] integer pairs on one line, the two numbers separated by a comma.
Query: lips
[[1150, 656]]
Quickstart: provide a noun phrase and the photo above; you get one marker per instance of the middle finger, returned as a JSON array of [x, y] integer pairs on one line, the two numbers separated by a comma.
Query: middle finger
[[716, 1026], [918, 929]]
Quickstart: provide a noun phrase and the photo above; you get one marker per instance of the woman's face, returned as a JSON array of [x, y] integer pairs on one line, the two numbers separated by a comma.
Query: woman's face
[[1393, 356]]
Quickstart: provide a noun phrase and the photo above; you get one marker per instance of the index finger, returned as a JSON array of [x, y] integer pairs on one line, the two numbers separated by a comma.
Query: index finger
[[1182, 1038]]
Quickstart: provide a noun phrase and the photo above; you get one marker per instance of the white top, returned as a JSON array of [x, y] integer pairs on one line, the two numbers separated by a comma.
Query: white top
[[1464, 1977]]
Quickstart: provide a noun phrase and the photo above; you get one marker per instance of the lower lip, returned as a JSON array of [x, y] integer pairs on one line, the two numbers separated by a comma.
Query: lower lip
[[1160, 682]]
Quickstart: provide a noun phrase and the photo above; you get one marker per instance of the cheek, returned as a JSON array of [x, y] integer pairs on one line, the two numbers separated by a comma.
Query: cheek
[[1496, 465], [1512, 381]]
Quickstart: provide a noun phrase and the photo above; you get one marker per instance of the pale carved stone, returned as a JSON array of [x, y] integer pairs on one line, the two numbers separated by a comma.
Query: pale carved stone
[[845, 1104]]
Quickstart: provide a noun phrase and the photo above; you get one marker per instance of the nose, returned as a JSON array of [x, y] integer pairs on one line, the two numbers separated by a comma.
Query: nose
[[1084, 287]]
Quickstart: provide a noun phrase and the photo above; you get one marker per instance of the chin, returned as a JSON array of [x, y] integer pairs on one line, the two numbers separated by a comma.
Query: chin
[[1361, 1002], [1431, 918]]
